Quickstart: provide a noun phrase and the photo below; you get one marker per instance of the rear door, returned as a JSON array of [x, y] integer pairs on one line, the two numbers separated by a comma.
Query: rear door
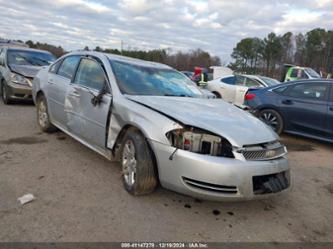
[[59, 78], [85, 118], [228, 88], [241, 90], [305, 107]]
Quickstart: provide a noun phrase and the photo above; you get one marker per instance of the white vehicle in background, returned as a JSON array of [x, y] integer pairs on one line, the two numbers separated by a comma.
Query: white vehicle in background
[[233, 88]]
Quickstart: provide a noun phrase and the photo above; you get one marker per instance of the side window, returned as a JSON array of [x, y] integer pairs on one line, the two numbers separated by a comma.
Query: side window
[[304, 75], [54, 67], [240, 80], [229, 80], [294, 73], [252, 83], [68, 66], [314, 91], [90, 74], [1, 55], [280, 90]]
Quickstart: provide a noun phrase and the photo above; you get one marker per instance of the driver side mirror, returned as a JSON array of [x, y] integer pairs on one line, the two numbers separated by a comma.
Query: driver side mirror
[[98, 99]]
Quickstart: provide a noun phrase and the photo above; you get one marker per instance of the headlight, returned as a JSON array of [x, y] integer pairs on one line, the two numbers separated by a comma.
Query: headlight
[[18, 79], [200, 141]]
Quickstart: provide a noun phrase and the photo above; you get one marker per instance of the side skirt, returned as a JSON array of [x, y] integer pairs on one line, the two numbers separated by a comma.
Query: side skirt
[[102, 151]]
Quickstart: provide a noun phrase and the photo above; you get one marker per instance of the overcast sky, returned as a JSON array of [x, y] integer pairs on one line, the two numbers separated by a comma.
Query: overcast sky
[[215, 26]]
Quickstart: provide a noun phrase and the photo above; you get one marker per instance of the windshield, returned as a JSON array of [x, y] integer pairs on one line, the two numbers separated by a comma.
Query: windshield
[[269, 81], [144, 80], [312, 73], [29, 58]]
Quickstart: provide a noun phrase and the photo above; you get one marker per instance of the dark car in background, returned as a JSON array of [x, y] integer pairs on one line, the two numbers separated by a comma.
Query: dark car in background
[[18, 67], [300, 107]]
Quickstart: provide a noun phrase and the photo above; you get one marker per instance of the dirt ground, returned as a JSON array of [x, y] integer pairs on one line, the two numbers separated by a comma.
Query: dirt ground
[[79, 195]]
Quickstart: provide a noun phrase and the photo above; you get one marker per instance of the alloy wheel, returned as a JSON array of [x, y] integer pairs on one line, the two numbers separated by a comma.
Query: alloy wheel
[[129, 163], [43, 117], [270, 119], [4, 93]]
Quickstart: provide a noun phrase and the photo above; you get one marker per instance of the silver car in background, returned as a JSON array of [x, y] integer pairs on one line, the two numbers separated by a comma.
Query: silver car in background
[[18, 67], [161, 128]]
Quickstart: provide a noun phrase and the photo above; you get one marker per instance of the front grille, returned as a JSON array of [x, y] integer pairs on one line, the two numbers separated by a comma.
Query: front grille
[[210, 187], [266, 151], [272, 183]]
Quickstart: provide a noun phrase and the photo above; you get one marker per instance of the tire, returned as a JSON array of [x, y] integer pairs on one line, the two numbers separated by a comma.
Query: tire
[[43, 117], [218, 96], [139, 174], [272, 118], [4, 95]]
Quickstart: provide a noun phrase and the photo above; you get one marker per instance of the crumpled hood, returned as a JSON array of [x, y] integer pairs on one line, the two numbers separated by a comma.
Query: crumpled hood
[[25, 70], [214, 115]]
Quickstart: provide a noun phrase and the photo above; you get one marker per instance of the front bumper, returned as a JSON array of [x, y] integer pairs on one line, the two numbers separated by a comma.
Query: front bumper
[[19, 92], [215, 178]]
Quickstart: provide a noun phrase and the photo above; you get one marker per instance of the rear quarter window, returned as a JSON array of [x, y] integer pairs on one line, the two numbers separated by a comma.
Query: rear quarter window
[[229, 80], [54, 68], [280, 90]]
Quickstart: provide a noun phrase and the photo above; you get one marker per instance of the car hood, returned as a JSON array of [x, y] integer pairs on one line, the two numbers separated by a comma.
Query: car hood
[[25, 70], [214, 115]]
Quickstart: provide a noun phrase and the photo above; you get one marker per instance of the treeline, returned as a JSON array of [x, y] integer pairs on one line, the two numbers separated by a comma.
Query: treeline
[[267, 56], [183, 61], [179, 60]]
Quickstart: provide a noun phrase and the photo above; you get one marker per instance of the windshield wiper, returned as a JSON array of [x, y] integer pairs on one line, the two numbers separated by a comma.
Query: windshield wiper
[[42, 60], [177, 95]]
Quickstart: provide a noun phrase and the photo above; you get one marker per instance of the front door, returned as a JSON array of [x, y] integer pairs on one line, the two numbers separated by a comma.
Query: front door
[[86, 118], [305, 106]]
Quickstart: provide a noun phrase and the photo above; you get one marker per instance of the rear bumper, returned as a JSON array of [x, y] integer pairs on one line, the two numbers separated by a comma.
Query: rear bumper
[[19, 92], [218, 178]]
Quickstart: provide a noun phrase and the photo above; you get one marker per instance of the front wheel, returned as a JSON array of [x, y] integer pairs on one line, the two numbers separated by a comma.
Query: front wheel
[[273, 119], [138, 168], [4, 95], [43, 116]]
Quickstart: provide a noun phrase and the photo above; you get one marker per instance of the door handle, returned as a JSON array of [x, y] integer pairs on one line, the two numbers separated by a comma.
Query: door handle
[[51, 82], [287, 102], [75, 94]]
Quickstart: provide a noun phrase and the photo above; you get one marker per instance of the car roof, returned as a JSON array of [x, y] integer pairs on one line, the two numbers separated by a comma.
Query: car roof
[[283, 84], [28, 49], [122, 58]]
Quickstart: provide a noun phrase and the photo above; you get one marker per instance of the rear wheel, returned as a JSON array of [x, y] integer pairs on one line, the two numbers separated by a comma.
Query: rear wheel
[[218, 96], [43, 117], [4, 94], [138, 168], [273, 119]]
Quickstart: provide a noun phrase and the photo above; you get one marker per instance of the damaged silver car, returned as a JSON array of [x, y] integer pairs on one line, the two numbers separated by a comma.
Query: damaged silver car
[[161, 128]]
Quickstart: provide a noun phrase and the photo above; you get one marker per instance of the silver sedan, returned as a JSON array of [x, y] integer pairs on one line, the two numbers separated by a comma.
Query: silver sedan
[[160, 127]]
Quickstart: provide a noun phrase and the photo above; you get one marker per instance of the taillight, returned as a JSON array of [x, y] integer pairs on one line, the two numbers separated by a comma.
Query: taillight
[[249, 96]]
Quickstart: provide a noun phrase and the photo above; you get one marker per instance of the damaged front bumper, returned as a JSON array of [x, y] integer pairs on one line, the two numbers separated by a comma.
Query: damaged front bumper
[[19, 92], [220, 178]]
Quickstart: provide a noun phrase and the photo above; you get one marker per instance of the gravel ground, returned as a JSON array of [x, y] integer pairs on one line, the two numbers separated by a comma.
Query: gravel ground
[[79, 195]]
